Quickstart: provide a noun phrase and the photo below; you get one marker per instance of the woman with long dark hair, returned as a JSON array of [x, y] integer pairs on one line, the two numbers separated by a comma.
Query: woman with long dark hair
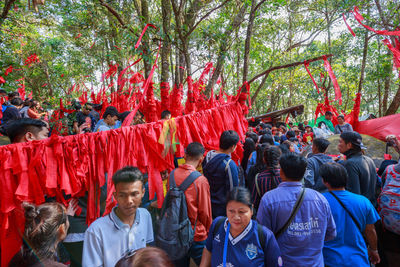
[[269, 178], [249, 146], [45, 226]]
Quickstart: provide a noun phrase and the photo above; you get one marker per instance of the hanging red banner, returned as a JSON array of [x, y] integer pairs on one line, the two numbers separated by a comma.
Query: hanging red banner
[[328, 68], [360, 18], [348, 26], [306, 64]]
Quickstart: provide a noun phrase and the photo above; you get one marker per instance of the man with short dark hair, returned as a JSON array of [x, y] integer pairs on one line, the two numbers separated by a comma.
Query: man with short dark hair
[[110, 118], [354, 216], [197, 200], [360, 168], [166, 115], [312, 179], [302, 239], [221, 172], [127, 228], [25, 130], [84, 116], [327, 119]]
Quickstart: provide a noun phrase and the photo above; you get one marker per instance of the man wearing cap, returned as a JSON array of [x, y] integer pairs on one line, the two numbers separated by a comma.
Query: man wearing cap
[[360, 168], [327, 120]]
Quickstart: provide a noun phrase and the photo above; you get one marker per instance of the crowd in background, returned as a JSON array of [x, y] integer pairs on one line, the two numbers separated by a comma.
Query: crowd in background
[[285, 203]]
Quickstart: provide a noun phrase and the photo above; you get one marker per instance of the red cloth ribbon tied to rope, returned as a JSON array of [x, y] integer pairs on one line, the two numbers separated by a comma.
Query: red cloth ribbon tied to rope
[[2, 80], [348, 26], [21, 90], [143, 32], [328, 68], [306, 64], [360, 18]]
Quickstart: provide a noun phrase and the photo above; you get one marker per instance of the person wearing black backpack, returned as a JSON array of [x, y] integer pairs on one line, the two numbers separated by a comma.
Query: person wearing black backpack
[[186, 213]]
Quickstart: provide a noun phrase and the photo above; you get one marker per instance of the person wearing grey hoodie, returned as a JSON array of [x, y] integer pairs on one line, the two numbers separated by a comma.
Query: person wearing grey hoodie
[[312, 178]]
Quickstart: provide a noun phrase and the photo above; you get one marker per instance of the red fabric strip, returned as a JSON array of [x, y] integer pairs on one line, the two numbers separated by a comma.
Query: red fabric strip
[[360, 18], [348, 26], [328, 68], [141, 35], [306, 64]]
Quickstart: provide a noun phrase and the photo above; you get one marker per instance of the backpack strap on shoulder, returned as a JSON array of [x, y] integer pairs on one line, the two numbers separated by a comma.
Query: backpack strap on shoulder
[[172, 183], [218, 225], [261, 236], [189, 180]]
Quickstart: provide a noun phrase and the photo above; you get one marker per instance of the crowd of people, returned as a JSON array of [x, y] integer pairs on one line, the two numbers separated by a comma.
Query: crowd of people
[[275, 207]]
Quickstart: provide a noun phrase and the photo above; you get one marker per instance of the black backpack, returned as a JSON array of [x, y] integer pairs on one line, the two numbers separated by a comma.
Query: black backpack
[[175, 232]]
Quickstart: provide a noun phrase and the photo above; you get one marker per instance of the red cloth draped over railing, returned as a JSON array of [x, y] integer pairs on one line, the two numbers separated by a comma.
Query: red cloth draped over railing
[[76, 164]]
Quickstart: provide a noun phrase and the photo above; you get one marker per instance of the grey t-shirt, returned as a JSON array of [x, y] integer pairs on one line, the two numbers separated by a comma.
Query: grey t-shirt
[[343, 128]]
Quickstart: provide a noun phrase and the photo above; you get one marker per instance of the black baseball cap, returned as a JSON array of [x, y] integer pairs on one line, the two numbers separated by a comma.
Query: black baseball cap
[[354, 138]]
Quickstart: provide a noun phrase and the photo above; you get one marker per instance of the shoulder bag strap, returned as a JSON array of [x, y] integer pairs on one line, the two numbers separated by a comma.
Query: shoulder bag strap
[[261, 236], [218, 225], [296, 207], [256, 183], [348, 212], [189, 180]]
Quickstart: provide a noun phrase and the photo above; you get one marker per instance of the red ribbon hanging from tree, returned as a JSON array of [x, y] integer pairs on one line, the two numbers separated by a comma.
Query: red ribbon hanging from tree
[[328, 68], [306, 64], [348, 26], [395, 51], [143, 32], [360, 18]]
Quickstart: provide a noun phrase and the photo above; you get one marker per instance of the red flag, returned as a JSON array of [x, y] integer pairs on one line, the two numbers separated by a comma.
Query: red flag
[[2, 80], [348, 26], [306, 64], [79, 35], [328, 68]]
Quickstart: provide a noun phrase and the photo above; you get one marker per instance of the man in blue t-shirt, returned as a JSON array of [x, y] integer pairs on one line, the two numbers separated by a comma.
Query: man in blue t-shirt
[[221, 172], [302, 242], [354, 216]]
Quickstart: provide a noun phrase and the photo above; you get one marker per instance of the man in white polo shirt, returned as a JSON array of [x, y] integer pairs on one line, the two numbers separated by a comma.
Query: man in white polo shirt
[[126, 228]]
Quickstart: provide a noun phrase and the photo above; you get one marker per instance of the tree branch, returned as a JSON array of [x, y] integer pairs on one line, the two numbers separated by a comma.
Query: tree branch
[[117, 16], [204, 17], [286, 66]]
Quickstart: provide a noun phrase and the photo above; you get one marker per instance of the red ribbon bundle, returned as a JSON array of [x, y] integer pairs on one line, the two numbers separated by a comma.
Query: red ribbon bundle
[[360, 18]]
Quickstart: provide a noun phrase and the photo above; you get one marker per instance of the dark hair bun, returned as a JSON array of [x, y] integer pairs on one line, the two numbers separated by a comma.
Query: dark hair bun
[[31, 211]]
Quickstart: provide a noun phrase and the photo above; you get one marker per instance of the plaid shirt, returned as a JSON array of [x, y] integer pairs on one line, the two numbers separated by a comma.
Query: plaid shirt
[[266, 181]]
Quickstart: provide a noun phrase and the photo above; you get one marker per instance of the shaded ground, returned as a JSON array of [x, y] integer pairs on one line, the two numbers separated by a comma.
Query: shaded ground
[[4, 140]]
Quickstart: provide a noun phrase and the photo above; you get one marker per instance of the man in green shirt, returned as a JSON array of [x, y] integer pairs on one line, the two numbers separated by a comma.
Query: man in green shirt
[[327, 120]]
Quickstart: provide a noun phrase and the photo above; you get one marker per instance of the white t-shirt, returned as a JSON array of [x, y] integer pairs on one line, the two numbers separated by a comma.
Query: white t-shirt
[[107, 239]]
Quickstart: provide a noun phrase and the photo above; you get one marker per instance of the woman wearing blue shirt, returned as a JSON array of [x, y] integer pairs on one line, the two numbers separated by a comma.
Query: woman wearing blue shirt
[[248, 243]]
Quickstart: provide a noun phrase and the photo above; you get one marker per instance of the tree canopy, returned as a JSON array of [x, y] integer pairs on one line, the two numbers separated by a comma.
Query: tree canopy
[[76, 41]]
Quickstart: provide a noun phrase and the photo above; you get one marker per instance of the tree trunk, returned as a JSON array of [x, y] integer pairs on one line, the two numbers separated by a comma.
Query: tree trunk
[[247, 43], [254, 97], [364, 61], [386, 91], [394, 106], [7, 6], [166, 44], [224, 46], [145, 40]]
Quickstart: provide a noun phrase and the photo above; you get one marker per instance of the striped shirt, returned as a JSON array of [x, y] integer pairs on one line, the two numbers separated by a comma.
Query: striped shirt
[[266, 180]]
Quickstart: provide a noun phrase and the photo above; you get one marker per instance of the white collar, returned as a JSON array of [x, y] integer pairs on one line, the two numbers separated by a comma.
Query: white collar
[[242, 234]]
